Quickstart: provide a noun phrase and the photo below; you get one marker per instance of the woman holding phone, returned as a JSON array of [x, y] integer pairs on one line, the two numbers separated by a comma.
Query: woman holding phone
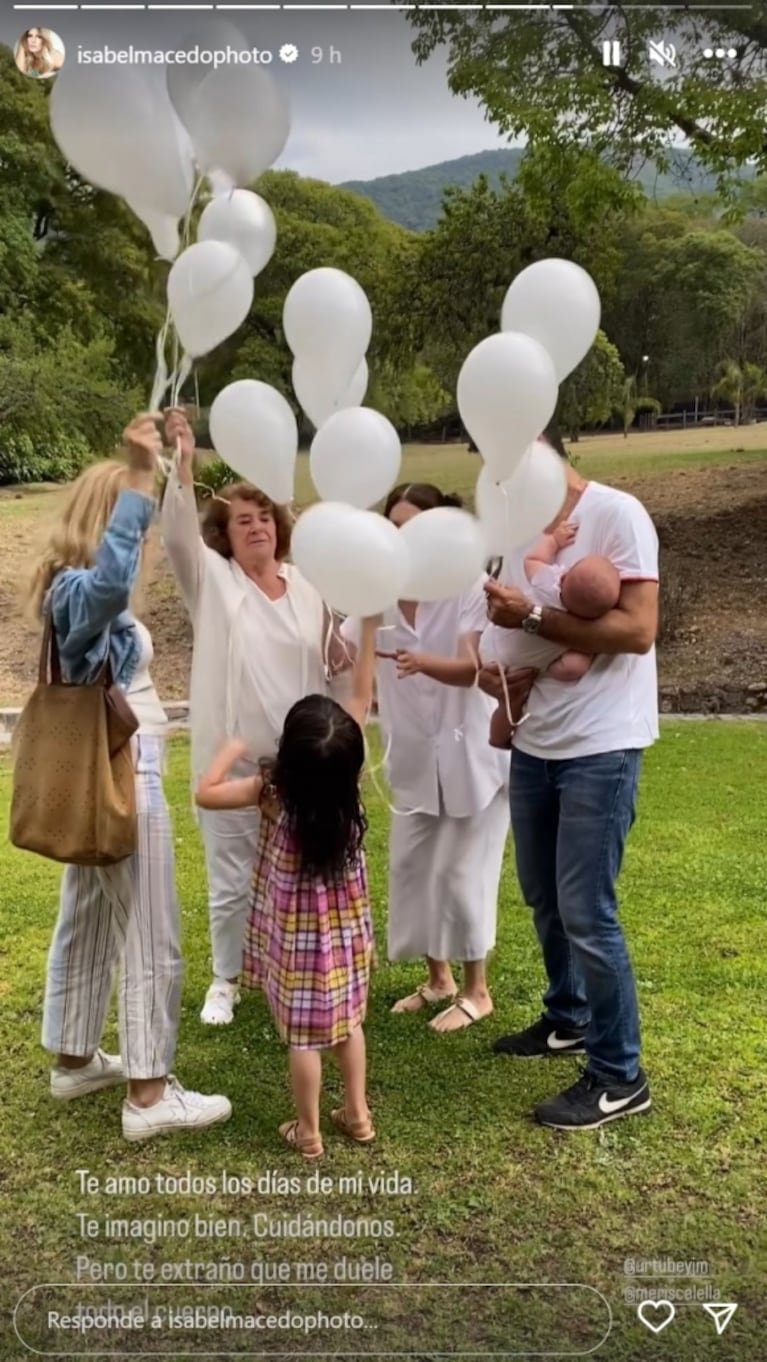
[[450, 789]]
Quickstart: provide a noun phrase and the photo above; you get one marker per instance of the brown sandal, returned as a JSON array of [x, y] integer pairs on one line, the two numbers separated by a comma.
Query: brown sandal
[[361, 1132], [310, 1149], [424, 996]]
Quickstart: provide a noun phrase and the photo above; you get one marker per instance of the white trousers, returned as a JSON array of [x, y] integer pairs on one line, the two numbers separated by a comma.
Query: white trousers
[[123, 916], [443, 883], [230, 837]]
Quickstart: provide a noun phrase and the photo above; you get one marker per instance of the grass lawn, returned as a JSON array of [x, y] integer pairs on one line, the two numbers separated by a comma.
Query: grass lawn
[[606, 457], [496, 1198]]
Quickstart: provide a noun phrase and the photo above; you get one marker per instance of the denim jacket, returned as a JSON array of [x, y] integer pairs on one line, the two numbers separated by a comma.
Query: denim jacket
[[90, 606]]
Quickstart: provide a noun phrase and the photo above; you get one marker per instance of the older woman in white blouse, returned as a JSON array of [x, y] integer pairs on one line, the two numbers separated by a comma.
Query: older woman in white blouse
[[259, 636], [450, 790]]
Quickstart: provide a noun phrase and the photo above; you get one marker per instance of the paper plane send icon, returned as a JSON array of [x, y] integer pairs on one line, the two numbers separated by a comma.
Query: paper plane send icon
[[721, 1315]]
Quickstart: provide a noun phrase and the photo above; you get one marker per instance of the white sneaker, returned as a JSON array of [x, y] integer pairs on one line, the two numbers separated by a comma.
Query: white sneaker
[[177, 1109], [103, 1071], [220, 1002]]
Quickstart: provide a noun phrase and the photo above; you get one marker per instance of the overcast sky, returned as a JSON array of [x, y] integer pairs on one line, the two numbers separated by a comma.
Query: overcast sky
[[373, 113]]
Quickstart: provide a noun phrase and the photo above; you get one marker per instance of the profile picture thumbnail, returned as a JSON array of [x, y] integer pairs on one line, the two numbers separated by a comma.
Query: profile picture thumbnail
[[39, 53]]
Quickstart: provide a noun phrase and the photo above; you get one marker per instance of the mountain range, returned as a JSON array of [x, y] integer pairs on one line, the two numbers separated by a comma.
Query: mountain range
[[414, 197]]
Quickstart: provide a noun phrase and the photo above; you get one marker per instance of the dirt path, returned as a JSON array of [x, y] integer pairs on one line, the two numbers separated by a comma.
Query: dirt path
[[713, 530]]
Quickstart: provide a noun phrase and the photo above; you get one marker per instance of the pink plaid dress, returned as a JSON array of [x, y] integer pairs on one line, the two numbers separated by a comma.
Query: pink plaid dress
[[308, 943]]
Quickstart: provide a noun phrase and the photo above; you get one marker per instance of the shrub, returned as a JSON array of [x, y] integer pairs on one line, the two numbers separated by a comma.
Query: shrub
[[26, 459], [676, 600], [214, 474]]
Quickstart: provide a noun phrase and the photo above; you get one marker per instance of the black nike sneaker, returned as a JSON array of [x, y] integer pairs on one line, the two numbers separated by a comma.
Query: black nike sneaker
[[593, 1101], [543, 1040]]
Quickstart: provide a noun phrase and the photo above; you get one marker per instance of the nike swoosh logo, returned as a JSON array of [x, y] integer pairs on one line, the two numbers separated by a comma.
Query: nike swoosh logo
[[554, 1043], [607, 1107]]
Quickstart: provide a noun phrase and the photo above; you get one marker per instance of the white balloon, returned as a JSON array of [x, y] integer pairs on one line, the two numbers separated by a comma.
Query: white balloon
[[185, 78], [319, 397], [557, 303], [210, 291], [356, 559], [254, 431], [163, 230], [514, 512], [118, 129], [246, 222], [507, 394], [355, 457], [327, 320], [220, 183], [447, 553], [355, 395], [239, 120]]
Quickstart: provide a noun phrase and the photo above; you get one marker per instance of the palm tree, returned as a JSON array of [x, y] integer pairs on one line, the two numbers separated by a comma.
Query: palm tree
[[631, 404], [742, 385]]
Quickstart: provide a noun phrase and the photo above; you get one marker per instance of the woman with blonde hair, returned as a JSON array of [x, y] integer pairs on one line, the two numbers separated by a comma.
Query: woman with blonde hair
[[124, 914], [36, 55]]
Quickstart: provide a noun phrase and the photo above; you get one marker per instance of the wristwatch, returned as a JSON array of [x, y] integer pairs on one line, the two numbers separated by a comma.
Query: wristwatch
[[532, 622]]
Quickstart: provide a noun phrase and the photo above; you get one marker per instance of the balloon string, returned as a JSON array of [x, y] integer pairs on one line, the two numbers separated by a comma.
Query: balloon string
[[514, 724], [182, 367], [192, 203], [160, 383], [373, 768], [180, 378], [333, 635], [168, 466]]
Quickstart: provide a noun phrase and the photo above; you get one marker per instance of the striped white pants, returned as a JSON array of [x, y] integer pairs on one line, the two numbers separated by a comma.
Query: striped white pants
[[124, 915]]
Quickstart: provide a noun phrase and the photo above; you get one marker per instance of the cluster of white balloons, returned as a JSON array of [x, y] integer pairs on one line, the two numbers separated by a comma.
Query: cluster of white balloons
[[358, 561], [351, 555], [507, 394], [134, 132], [356, 453]]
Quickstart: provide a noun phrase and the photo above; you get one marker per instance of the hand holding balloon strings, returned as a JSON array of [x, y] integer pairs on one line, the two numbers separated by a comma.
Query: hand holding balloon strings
[[179, 437]]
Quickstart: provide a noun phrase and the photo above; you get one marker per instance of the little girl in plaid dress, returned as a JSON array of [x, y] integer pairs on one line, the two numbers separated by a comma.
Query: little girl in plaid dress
[[310, 938]]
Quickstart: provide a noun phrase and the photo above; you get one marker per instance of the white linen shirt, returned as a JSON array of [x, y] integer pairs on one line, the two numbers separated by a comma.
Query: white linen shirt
[[439, 759], [252, 657]]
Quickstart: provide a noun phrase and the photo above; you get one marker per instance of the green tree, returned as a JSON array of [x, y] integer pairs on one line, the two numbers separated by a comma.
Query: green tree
[[688, 295], [589, 396], [412, 398], [80, 299], [630, 402], [540, 76], [59, 403], [317, 225], [742, 385], [453, 287]]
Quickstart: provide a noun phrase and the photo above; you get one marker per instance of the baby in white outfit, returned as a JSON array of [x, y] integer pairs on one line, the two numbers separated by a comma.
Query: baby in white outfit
[[588, 589]]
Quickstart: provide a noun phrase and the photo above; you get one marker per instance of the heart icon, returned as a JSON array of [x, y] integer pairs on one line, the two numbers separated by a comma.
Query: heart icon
[[662, 1313]]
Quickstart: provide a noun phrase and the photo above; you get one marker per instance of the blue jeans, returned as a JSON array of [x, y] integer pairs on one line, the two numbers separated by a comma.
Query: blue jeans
[[570, 821]]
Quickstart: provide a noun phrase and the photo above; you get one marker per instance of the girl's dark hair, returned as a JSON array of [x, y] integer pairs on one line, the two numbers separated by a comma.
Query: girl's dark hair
[[553, 437], [316, 776], [423, 495]]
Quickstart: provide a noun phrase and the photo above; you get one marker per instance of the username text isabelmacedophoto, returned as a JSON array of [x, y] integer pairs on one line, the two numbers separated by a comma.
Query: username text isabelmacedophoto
[[193, 56]]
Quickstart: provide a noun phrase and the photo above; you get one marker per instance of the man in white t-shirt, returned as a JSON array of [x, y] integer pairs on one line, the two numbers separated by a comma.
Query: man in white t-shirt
[[574, 773]]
